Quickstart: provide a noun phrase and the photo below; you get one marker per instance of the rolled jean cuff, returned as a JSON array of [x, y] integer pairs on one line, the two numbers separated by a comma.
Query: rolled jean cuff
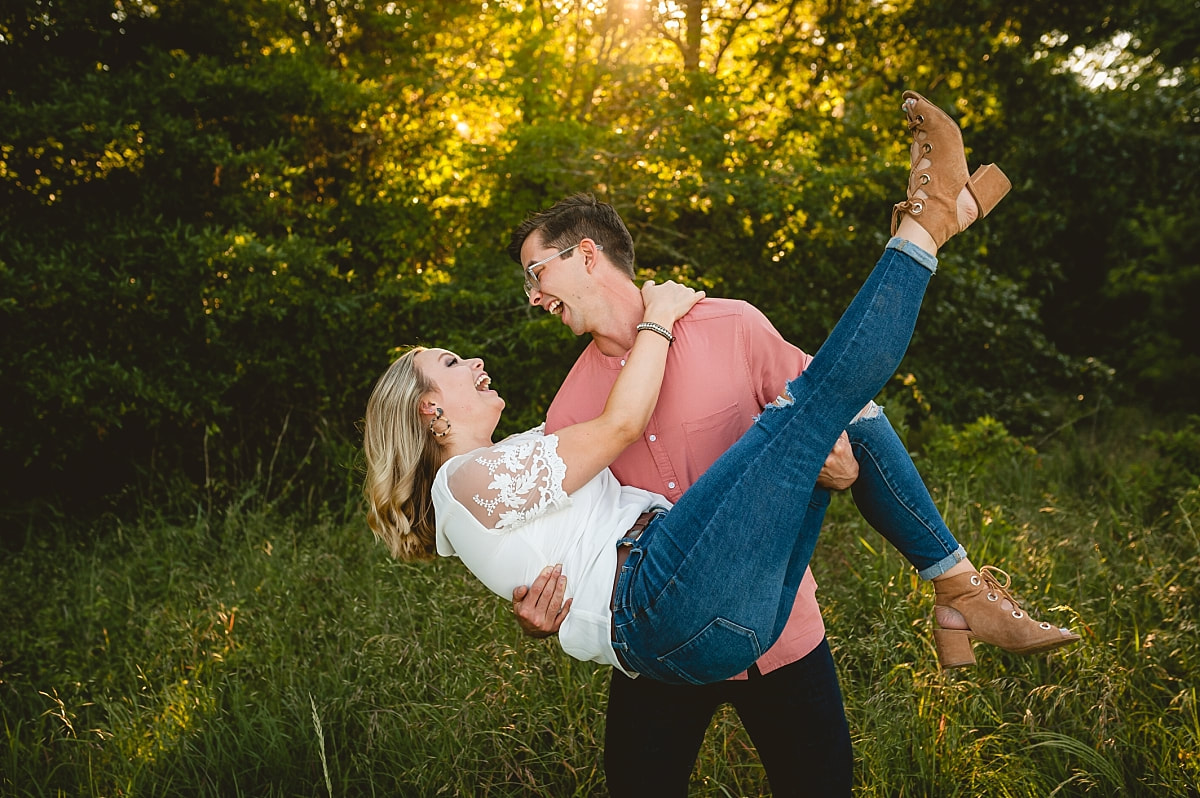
[[943, 565], [913, 251]]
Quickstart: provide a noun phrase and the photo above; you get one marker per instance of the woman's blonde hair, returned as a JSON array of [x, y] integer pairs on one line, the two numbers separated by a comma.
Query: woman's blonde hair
[[402, 459]]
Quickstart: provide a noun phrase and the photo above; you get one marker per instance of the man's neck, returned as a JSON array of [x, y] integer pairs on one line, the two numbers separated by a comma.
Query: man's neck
[[616, 334]]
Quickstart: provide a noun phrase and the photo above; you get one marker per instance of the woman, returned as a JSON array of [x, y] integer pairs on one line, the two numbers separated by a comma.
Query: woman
[[694, 599]]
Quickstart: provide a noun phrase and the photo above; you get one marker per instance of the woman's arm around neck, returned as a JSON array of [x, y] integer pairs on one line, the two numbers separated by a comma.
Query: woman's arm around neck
[[589, 447]]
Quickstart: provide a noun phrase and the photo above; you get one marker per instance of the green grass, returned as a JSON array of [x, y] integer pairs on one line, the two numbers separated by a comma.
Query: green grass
[[242, 653]]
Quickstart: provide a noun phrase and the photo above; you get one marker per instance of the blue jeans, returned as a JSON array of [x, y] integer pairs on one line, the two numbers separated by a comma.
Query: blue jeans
[[893, 498], [708, 586]]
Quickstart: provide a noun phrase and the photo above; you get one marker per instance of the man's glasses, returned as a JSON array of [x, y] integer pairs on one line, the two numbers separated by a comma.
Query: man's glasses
[[531, 279]]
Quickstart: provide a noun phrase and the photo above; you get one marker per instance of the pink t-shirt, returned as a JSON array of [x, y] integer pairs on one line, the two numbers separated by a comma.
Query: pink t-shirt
[[726, 364]]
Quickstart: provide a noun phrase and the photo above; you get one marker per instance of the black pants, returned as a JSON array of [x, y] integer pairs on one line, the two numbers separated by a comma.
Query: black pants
[[794, 716]]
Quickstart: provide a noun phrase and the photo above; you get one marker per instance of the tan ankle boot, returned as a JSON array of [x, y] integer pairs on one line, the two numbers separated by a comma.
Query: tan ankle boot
[[993, 616], [939, 171]]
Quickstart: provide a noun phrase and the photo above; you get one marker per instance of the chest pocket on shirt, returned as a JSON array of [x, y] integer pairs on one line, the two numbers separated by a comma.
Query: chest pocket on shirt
[[709, 437]]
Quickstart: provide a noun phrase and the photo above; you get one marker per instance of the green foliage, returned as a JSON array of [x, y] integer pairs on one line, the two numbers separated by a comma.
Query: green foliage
[[243, 651], [1174, 470], [196, 659], [971, 452], [219, 219]]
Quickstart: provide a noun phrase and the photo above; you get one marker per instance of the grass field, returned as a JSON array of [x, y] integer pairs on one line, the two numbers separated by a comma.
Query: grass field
[[244, 653]]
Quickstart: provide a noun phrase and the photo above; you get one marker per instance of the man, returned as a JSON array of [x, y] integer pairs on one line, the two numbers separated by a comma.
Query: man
[[578, 258]]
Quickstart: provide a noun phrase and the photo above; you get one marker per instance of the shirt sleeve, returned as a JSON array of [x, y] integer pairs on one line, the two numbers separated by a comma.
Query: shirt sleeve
[[511, 483], [773, 362]]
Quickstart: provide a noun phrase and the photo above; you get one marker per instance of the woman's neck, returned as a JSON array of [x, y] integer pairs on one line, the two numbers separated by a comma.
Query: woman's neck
[[462, 445]]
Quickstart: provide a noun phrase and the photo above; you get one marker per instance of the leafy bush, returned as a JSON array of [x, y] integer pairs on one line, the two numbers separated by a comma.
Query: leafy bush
[[219, 219], [1176, 470], [974, 451]]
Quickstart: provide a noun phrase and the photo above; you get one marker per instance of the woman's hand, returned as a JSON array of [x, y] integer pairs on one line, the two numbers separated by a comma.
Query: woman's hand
[[667, 302]]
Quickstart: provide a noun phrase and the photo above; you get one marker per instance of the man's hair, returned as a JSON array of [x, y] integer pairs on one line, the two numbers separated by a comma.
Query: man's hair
[[570, 220]]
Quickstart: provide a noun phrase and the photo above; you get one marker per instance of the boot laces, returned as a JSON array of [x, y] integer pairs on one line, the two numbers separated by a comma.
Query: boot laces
[[989, 572]]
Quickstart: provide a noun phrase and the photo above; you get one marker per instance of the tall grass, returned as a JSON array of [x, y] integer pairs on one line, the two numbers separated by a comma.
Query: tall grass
[[243, 653]]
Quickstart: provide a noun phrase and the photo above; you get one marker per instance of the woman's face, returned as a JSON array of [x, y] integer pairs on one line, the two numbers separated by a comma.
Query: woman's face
[[460, 387]]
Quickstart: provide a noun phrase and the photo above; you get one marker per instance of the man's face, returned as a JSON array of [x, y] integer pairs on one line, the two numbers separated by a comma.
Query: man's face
[[561, 279]]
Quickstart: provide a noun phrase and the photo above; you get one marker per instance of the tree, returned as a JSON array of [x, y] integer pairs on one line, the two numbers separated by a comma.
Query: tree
[[219, 219]]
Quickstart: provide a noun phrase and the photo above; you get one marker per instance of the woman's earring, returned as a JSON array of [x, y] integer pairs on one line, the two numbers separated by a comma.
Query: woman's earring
[[437, 416]]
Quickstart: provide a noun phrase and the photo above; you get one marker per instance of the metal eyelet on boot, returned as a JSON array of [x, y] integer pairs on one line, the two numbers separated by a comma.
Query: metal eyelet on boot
[[975, 580], [1045, 625], [1018, 614], [992, 597]]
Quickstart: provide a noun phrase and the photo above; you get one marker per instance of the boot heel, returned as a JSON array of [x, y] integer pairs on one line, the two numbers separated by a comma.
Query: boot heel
[[953, 647], [988, 186]]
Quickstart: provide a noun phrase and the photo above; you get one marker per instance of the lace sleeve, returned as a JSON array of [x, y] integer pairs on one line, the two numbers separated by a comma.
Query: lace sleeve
[[513, 482]]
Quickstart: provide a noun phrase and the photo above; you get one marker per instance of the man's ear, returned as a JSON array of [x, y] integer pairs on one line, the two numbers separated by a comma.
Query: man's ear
[[590, 249]]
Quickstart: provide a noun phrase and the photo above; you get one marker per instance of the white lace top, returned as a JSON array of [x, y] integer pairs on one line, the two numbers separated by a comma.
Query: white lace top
[[503, 512]]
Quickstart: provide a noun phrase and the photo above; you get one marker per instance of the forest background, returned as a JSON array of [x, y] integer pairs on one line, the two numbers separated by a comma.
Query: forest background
[[220, 218]]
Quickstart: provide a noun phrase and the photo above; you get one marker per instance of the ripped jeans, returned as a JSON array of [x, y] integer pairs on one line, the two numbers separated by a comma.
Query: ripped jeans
[[709, 585], [892, 497]]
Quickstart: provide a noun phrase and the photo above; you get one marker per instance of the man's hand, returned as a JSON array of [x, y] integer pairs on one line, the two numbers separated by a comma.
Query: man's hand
[[539, 608], [840, 469]]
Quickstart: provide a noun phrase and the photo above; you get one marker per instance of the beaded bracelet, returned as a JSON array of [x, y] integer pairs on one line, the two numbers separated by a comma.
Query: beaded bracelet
[[658, 328]]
